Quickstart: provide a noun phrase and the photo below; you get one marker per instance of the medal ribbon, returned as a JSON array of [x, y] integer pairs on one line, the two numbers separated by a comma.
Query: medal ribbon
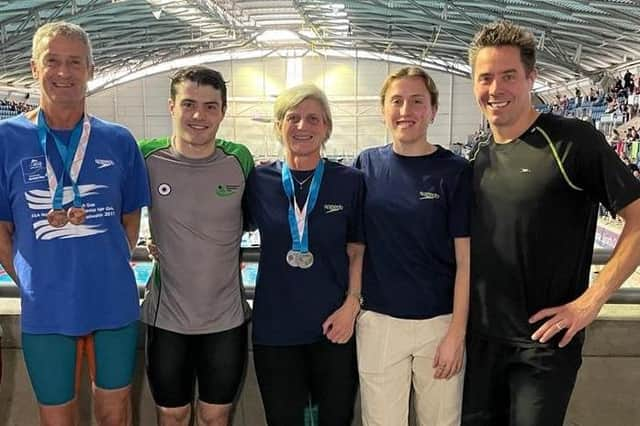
[[72, 158], [298, 224]]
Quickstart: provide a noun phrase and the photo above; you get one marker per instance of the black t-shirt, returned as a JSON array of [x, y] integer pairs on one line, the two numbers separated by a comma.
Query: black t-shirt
[[533, 221]]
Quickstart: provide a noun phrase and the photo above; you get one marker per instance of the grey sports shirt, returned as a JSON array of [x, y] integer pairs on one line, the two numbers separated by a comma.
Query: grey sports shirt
[[196, 222]]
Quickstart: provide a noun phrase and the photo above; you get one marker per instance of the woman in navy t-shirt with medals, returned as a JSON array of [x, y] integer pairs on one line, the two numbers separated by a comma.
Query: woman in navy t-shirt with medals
[[416, 269], [309, 213]]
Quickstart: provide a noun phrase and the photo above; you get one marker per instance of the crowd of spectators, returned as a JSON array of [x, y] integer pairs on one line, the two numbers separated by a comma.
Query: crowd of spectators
[[627, 147], [621, 101], [9, 108]]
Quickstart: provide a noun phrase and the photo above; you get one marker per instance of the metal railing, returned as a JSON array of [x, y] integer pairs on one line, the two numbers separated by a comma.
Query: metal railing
[[630, 296], [600, 257]]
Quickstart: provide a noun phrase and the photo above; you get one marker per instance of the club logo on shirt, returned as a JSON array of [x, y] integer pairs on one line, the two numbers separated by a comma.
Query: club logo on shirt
[[226, 190], [332, 208], [33, 169], [103, 164], [164, 189], [428, 195]]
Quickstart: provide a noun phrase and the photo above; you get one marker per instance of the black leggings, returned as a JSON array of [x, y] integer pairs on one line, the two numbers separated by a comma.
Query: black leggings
[[290, 376], [174, 360]]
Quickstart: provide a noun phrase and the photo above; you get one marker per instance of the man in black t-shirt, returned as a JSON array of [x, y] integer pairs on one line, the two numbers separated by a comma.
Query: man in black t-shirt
[[537, 181]]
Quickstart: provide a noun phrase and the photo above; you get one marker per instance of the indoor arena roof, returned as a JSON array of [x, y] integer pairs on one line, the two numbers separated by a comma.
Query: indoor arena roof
[[576, 39]]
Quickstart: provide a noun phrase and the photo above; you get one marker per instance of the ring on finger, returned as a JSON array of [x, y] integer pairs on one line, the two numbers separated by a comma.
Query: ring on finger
[[559, 326]]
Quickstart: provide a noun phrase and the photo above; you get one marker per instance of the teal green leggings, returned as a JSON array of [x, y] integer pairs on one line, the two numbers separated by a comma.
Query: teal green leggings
[[51, 362]]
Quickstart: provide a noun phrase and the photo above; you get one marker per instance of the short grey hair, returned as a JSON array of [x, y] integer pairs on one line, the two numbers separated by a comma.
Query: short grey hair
[[293, 97], [54, 29]]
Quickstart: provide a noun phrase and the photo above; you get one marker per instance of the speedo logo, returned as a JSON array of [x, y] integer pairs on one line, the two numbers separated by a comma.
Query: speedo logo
[[332, 208], [428, 195], [102, 164], [226, 190]]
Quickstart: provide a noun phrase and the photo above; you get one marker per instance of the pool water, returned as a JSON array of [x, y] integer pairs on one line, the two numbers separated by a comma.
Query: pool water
[[142, 271]]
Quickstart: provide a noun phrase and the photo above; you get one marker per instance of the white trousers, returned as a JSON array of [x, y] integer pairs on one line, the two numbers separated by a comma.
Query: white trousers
[[395, 354]]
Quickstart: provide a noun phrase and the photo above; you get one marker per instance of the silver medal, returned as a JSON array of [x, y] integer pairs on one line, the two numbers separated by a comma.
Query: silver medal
[[305, 260], [292, 258]]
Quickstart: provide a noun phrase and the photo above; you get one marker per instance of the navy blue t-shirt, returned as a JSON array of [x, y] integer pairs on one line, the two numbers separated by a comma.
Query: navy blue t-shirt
[[414, 208], [291, 303]]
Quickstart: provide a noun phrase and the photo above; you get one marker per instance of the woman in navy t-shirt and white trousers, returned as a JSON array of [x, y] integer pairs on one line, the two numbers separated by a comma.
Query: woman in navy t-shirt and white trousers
[[411, 332]]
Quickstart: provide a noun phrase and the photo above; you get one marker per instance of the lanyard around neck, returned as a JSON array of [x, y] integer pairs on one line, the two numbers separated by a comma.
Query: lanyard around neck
[[298, 217], [72, 156]]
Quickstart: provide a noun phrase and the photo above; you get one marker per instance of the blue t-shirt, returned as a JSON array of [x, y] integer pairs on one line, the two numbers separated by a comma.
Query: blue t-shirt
[[414, 208], [291, 303], [75, 279]]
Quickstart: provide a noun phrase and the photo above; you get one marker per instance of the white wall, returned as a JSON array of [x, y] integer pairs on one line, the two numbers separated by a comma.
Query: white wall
[[352, 86]]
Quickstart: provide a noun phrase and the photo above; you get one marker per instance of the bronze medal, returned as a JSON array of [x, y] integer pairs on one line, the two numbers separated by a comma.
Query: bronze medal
[[76, 215], [57, 218]]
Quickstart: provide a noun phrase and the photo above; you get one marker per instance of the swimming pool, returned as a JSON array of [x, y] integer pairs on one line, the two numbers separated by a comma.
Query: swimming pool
[[142, 271]]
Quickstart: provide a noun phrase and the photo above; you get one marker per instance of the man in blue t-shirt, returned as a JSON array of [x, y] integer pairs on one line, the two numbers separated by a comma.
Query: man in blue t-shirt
[[71, 189]]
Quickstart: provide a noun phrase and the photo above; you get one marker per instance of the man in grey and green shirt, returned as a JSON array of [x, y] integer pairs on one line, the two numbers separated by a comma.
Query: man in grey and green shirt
[[194, 306]]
